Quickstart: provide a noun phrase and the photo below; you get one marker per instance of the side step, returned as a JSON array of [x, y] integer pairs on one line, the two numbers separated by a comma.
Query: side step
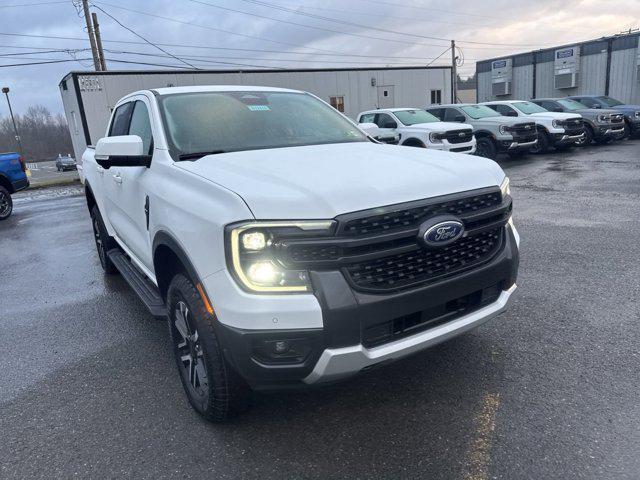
[[146, 290]]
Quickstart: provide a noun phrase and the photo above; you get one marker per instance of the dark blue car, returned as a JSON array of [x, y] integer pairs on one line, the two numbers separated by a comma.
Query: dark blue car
[[13, 178], [631, 112]]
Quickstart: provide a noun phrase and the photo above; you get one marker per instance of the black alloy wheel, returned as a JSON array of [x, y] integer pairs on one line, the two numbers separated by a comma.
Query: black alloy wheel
[[6, 204]]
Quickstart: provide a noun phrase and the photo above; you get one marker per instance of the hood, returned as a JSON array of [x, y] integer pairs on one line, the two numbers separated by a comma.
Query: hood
[[441, 126], [597, 111], [501, 120], [627, 108], [556, 115], [322, 181]]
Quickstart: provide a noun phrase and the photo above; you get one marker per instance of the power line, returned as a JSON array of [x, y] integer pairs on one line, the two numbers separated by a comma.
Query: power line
[[33, 4], [143, 38], [359, 25], [210, 28]]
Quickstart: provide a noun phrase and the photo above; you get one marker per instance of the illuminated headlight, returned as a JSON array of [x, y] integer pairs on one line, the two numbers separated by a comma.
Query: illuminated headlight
[[503, 129], [254, 252], [504, 187], [435, 137], [604, 118], [555, 124]]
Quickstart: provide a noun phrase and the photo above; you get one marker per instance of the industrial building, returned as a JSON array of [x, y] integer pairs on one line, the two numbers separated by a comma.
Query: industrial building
[[89, 97], [606, 66]]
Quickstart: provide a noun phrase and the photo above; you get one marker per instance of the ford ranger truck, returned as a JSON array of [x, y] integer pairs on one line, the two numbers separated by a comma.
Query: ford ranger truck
[[418, 128], [13, 178], [631, 112], [555, 129], [284, 246], [603, 126], [494, 133]]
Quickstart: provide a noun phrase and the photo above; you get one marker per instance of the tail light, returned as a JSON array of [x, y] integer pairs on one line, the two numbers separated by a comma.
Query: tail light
[[22, 164]]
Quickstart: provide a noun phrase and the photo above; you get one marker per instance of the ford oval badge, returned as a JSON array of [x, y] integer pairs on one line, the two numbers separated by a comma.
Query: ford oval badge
[[443, 233]]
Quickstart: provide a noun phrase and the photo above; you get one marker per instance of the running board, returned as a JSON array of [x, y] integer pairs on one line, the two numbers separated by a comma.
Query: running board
[[146, 290]]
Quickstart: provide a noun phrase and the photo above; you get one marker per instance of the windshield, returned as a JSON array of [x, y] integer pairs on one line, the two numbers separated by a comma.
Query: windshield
[[218, 122], [571, 104], [528, 108], [479, 111], [412, 117], [611, 102]]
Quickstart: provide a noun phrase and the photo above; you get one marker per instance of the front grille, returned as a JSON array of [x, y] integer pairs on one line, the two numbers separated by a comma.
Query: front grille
[[522, 128], [617, 118], [397, 328], [572, 126], [460, 149], [459, 136], [403, 218], [425, 265]]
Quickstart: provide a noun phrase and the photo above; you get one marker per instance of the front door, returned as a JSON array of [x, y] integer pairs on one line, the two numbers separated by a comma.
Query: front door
[[385, 96]]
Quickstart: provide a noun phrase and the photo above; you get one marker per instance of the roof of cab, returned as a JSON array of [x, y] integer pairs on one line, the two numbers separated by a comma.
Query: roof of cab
[[219, 88]]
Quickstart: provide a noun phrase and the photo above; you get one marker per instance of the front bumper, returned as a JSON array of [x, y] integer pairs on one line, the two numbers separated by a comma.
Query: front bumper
[[445, 146], [332, 323], [609, 131], [560, 139], [515, 146], [20, 184]]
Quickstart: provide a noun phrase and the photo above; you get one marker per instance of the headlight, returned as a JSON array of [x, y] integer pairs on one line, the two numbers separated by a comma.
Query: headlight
[[555, 124], [603, 118], [252, 251], [637, 114], [435, 137], [503, 129], [504, 187]]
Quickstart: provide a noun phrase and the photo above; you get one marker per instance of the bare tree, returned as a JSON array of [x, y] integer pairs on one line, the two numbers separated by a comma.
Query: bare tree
[[43, 135]]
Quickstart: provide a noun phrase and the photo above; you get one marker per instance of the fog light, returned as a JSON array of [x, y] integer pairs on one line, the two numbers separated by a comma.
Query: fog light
[[281, 346]]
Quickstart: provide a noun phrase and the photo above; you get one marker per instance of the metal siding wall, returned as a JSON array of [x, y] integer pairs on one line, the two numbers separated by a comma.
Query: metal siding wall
[[544, 80], [70, 104], [592, 77], [522, 84], [484, 86], [624, 84]]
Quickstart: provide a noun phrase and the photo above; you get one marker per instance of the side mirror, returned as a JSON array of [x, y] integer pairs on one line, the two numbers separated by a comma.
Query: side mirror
[[596, 106], [121, 151], [370, 128], [557, 109], [511, 113], [459, 119]]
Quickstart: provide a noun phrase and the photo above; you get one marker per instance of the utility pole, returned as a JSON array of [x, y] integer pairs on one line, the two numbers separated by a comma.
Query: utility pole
[[96, 29], [454, 73], [92, 39], [5, 90]]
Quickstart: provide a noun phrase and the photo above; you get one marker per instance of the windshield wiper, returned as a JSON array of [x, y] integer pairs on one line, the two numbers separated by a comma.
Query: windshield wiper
[[198, 155]]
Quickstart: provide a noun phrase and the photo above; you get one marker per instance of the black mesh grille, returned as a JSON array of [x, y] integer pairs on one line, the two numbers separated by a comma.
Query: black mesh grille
[[412, 217], [459, 136], [421, 266], [617, 118]]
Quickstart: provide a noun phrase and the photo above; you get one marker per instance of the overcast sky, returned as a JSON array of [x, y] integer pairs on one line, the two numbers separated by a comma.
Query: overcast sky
[[404, 31]]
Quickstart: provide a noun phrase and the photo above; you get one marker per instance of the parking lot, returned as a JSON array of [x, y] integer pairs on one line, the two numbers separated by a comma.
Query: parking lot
[[46, 173], [547, 390]]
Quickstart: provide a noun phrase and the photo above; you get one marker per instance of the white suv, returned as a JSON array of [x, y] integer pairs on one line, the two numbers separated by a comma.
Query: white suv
[[418, 128], [555, 129], [284, 246]]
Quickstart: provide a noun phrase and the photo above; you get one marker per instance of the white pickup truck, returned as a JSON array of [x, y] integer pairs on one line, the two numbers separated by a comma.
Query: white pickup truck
[[417, 128], [555, 129], [287, 248]]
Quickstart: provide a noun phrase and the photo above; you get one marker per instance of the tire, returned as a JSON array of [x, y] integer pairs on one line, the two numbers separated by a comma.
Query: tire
[[486, 147], [412, 142], [588, 137], [627, 130], [6, 204], [543, 143], [104, 242], [212, 387]]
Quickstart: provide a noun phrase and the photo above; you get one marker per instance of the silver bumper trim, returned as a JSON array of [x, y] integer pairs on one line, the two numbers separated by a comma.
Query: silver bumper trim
[[521, 145], [336, 363]]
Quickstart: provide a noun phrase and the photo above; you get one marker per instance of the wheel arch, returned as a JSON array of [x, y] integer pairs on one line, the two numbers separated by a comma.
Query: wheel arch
[[484, 134], [413, 141], [169, 258], [6, 183], [90, 197]]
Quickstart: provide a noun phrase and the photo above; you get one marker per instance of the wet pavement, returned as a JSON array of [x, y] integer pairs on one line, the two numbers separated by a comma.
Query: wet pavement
[[548, 390]]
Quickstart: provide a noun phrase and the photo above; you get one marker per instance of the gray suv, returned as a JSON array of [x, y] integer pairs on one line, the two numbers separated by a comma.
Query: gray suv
[[601, 125], [494, 133]]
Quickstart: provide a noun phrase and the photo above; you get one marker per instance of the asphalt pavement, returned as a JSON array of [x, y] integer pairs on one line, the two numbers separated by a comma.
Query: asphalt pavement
[[46, 173], [549, 390]]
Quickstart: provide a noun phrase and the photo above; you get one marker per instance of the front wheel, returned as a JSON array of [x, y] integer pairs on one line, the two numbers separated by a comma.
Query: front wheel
[[587, 138], [6, 204], [104, 242], [486, 147], [213, 388], [542, 146]]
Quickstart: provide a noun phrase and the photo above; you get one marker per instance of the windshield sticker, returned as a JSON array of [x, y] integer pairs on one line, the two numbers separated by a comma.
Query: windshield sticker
[[258, 108]]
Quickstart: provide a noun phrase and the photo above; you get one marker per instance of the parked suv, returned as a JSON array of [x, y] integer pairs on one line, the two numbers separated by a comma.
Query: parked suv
[[555, 129], [13, 178], [602, 126], [418, 128], [494, 133], [631, 112], [284, 246], [65, 163]]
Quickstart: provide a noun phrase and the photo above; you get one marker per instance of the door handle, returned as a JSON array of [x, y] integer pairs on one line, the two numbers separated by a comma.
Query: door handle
[[117, 178]]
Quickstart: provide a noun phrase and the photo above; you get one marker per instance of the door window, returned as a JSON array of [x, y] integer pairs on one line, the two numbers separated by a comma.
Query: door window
[[450, 115], [120, 123], [504, 110], [386, 121], [438, 112], [367, 118], [589, 102], [141, 126]]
